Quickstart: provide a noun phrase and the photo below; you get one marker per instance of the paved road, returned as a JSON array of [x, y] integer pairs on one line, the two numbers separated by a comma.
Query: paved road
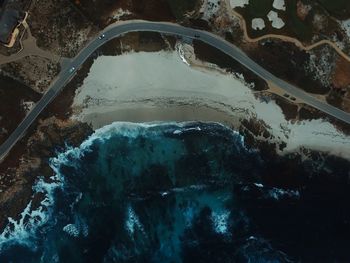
[[121, 28]]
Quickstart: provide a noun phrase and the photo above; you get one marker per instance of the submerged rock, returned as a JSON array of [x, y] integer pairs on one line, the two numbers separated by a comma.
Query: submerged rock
[[180, 192]]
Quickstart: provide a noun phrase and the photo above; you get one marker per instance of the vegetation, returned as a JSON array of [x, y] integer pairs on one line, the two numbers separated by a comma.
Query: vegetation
[[337, 8], [302, 29], [181, 7], [259, 8]]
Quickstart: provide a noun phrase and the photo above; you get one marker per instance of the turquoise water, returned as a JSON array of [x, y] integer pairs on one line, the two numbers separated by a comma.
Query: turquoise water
[[166, 192]]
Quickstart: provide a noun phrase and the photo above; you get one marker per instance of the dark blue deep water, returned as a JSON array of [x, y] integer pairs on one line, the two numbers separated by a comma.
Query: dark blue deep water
[[188, 192]]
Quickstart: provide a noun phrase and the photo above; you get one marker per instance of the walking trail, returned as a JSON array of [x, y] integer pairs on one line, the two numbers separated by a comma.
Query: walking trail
[[28, 48], [283, 37]]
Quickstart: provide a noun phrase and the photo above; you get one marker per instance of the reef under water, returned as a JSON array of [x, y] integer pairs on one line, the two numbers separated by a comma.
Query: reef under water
[[182, 192]]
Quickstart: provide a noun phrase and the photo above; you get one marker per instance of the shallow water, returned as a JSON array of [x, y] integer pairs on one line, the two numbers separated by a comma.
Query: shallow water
[[169, 192]]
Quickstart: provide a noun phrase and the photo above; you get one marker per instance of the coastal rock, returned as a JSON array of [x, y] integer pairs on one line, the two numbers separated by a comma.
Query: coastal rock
[[16, 184]]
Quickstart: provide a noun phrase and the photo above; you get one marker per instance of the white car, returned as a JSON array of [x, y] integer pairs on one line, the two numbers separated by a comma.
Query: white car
[[71, 70], [101, 37]]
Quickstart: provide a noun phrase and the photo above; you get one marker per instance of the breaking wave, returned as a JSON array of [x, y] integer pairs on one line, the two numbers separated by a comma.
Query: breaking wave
[[24, 230], [153, 192]]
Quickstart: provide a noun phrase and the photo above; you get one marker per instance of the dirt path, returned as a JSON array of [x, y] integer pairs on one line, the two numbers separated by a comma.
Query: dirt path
[[28, 48], [283, 37]]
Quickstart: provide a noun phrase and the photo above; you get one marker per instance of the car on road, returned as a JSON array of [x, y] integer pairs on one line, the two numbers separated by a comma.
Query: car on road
[[72, 69], [101, 36], [197, 36]]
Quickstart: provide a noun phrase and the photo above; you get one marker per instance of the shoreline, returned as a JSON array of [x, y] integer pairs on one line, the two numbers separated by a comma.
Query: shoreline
[[167, 86], [237, 106], [179, 113], [248, 127]]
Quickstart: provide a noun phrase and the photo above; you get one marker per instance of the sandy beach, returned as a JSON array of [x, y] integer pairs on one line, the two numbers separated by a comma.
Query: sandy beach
[[161, 86], [151, 114]]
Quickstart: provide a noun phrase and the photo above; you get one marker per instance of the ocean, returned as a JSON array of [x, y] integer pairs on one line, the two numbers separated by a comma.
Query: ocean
[[182, 192]]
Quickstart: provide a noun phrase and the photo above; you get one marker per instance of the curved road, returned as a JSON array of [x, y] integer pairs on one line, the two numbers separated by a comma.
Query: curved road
[[118, 29]]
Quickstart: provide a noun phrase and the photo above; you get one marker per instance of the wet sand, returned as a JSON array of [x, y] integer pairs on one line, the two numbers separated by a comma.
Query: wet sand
[[172, 113], [161, 86]]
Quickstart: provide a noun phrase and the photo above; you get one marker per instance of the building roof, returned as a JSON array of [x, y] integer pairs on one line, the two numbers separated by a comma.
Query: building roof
[[8, 21]]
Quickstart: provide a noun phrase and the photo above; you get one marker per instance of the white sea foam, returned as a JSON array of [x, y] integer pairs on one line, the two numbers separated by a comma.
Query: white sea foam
[[132, 221], [177, 132], [23, 230], [187, 188], [220, 221], [127, 129], [194, 129], [71, 230], [164, 193], [79, 228], [278, 193]]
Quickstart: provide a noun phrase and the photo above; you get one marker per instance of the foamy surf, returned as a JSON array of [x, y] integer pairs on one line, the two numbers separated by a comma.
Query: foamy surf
[[158, 191], [23, 230]]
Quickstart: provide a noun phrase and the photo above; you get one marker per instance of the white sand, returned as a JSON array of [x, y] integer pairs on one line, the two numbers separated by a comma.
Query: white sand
[[238, 3], [277, 22], [258, 23], [160, 86], [279, 5]]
